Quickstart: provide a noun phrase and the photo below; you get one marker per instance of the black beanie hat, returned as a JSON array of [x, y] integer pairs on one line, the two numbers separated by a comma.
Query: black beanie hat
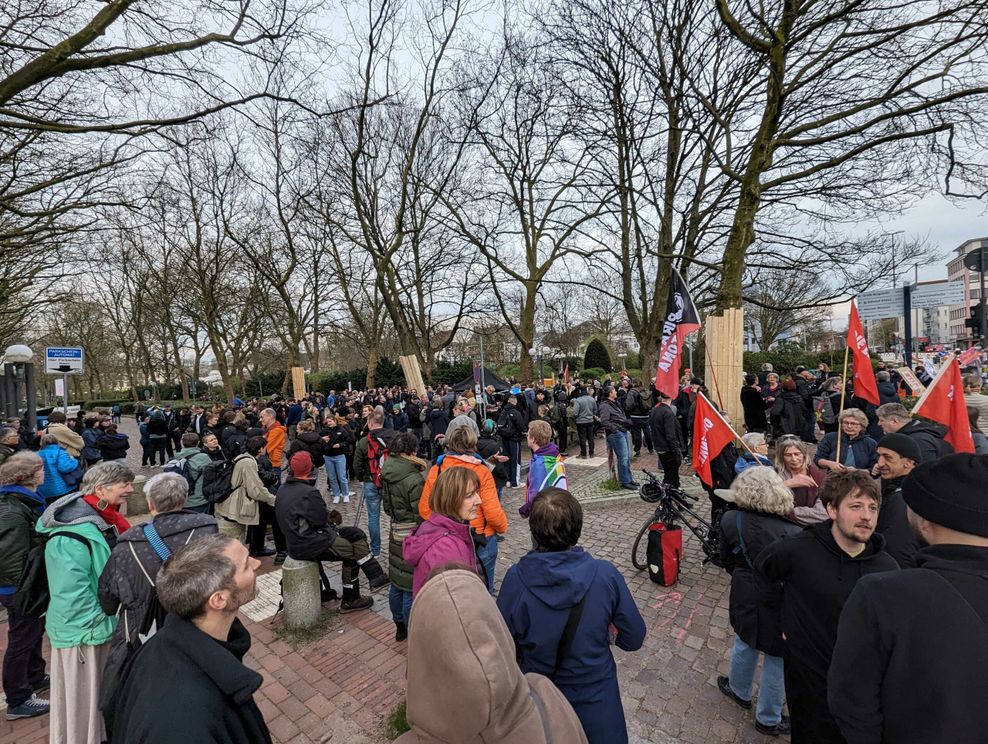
[[950, 492], [902, 444]]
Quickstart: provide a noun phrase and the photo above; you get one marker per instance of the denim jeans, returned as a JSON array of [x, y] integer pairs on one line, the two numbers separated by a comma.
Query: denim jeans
[[400, 603], [372, 499], [488, 558], [23, 664], [337, 484], [771, 688], [618, 442]]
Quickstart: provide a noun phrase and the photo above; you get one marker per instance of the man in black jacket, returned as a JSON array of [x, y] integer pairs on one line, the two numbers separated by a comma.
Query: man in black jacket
[[898, 454], [818, 569], [753, 405], [302, 516], [895, 418], [511, 427], [667, 439], [188, 682], [912, 646]]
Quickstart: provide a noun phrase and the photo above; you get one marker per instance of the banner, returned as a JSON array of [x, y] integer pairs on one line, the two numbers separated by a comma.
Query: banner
[[711, 433], [944, 403], [970, 356], [912, 380], [865, 385], [681, 320]]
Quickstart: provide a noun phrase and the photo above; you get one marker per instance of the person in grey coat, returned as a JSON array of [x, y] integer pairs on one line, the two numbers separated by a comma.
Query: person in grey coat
[[584, 415]]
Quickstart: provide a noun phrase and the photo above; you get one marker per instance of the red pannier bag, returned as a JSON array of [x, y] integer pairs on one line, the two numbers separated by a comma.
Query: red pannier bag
[[665, 552]]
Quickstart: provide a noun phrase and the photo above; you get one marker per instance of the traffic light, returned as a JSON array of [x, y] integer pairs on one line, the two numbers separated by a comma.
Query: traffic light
[[975, 320]]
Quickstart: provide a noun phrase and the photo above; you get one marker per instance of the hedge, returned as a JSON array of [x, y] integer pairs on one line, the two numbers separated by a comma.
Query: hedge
[[597, 356], [787, 361]]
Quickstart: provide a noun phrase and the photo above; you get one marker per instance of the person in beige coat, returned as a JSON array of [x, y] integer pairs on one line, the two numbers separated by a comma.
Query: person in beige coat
[[71, 441], [463, 680], [239, 510]]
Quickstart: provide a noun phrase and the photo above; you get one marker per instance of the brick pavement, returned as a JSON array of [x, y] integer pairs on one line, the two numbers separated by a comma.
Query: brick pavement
[[341, 687]]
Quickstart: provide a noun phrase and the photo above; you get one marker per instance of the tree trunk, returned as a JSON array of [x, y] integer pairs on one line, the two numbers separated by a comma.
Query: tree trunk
[[370, 379]]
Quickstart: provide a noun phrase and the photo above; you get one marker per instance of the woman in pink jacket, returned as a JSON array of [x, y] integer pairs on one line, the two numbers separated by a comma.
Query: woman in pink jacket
[[446, 537]]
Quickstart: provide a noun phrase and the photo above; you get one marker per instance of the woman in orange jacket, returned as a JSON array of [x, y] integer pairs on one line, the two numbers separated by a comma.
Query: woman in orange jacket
[[490, 522]]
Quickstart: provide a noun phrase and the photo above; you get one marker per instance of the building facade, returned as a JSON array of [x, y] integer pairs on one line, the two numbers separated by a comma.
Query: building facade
[[956, 271]]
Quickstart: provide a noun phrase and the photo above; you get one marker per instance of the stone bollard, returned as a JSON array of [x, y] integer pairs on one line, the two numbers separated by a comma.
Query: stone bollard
[[301, 593], [136, 503]]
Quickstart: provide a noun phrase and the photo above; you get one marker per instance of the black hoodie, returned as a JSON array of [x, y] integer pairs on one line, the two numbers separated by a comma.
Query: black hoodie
[[930, 439], [901, 541], [817, 579], [910, 662]]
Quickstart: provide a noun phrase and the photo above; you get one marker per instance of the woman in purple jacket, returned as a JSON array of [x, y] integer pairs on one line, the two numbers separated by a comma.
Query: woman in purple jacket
[[446, 537]]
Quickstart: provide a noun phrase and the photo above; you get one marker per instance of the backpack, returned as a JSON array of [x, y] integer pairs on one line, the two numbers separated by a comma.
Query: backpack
[[32, 595], [827, 415], [377, 454], [180, 466], [217, 480]]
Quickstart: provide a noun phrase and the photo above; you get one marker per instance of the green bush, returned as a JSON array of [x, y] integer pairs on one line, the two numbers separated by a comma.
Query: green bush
[[786, 361], [589, 373], [597, 356]]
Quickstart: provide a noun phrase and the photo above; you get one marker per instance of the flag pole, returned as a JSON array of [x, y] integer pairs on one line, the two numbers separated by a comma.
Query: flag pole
[[843, 393]]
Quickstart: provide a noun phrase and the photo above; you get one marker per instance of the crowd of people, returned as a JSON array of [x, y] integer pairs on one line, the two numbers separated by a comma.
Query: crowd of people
[[844, 527]]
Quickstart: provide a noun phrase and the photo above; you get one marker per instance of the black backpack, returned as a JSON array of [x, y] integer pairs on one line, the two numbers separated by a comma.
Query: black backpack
[[156, 424], [32, 596], [180, 466], [217, 481]]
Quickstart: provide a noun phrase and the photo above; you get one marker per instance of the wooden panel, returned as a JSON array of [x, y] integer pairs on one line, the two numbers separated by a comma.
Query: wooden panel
[[413, 373], [298, 383], [725, 364]]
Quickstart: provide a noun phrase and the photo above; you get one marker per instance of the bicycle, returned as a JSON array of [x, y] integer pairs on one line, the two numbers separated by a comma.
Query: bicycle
[[674, 508]]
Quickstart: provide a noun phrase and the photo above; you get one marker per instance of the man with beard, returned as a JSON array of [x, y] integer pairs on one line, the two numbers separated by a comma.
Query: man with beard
[[818, 568], [188, 683], [898, 454], [912, 646]]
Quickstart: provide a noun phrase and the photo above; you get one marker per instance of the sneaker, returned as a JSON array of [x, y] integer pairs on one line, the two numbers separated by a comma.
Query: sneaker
[[779, 729], [262, 553], [336, 499], [43, 685], [360, 603], [33, 706], [379, 583], [279, 558], [630, 486], [346, 499], [724, 685]]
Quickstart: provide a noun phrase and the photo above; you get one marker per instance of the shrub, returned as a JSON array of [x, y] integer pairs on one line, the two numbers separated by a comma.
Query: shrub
[[597, 356]]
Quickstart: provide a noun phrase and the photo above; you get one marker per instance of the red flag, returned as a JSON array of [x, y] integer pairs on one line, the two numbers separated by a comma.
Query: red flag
[[865, 385], [944, 403], [711, 433], [681, 320]]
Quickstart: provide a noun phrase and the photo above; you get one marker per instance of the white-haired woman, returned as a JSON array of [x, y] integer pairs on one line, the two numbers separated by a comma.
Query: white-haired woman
[[802, 477], [764, 503], [755, 452], [857, 449]]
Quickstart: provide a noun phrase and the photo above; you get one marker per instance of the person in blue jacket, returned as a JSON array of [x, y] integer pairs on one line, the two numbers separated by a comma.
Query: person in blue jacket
[[560, 603], [61, 470]]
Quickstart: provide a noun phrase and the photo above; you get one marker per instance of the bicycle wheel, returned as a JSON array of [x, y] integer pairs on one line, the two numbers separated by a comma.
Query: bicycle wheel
[[639, 553]]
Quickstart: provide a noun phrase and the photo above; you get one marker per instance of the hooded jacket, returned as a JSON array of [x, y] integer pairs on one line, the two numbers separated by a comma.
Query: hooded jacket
[[19, 510], [308, 441], [817, 579], [124, 589], [463, 681], [613, 418], [361, 466], [490, 517], [113, 446], [437, 541], [789, 410], [90, 438], [185, 686], [666, 433], [198, 460], [584, 409], [75, 617], [248, 489], [340, 435], [929, 437], [401, 489], [58, 463], [545, 471], [302, 516], [535, 600], [755, 602], [912, 650]]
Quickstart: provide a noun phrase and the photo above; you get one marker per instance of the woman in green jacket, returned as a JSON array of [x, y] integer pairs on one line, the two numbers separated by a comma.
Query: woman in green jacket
[[77, 627], [401, 486]]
